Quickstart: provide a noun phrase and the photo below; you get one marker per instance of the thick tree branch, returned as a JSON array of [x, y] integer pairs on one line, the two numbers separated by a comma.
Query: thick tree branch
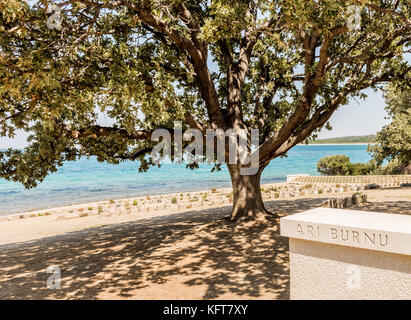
[[97, 131]]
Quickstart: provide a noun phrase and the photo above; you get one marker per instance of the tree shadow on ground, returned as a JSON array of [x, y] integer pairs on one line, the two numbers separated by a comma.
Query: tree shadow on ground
[[397, 207], [191, 255]]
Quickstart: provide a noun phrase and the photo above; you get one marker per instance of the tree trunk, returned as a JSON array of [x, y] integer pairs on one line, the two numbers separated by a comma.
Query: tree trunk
[[247, 200]]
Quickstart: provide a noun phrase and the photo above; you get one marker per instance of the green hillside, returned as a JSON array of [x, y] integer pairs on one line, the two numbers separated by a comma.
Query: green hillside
[[352, 139]]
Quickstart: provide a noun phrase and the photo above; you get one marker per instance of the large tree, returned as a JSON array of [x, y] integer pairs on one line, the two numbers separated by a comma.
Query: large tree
[[281, 66]]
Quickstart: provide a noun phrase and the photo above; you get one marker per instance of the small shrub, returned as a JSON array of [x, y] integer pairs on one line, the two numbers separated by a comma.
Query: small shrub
[[173, 200], [100, 209], [90, 208], [213, 190], [135, 202], [47, 213], [111, 201], [338, 165]]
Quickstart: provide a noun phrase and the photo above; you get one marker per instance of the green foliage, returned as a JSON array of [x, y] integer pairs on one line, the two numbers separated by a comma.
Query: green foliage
[[280, 66], [340, 165], [394, 140], [334, 165]]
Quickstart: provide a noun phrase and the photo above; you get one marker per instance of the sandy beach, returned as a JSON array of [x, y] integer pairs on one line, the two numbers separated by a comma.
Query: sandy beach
[[193, 254]]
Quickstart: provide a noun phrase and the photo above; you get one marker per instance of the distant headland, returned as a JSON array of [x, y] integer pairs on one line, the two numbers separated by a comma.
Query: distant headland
[[347, 140]]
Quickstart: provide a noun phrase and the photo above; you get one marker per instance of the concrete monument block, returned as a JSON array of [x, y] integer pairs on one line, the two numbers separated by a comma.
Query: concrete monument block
[[348, 254]]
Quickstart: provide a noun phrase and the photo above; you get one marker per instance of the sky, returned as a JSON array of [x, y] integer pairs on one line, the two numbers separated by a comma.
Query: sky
[[358, 118]]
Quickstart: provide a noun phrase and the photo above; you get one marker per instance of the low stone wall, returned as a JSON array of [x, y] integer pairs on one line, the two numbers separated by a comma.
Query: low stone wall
[[345, 202], [347, 254], [295, 177], [382, 180]]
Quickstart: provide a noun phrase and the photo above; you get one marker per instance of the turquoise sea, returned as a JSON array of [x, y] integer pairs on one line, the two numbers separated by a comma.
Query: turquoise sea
[[88, 180]]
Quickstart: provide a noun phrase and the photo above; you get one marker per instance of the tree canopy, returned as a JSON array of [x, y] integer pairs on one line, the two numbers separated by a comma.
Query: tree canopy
[[281, 66]]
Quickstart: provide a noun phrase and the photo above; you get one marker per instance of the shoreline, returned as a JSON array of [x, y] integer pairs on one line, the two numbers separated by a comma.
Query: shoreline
[[121, 198], [75, 206], [69, 186], [201, 196]]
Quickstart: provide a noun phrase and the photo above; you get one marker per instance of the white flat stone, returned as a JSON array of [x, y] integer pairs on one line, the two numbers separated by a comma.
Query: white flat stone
[[359, 229]]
